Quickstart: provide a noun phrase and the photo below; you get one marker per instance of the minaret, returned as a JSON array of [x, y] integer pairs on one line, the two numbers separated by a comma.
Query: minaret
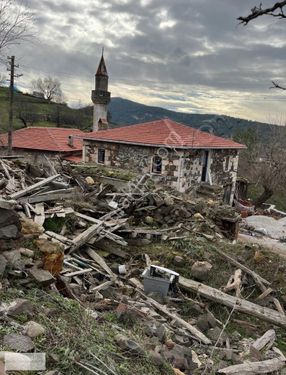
[[100, 97]]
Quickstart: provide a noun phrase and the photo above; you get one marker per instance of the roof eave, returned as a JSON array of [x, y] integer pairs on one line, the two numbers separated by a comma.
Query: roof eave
[[166, 146]]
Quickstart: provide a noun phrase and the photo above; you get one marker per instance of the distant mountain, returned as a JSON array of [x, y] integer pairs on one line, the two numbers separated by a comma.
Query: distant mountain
[[127, 112]]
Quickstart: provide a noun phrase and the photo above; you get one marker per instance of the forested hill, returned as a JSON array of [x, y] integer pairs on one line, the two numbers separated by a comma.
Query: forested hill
[[127, 112], [32, 111]]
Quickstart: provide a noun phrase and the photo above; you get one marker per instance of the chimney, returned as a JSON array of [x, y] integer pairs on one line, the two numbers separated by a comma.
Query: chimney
[[70, 141]]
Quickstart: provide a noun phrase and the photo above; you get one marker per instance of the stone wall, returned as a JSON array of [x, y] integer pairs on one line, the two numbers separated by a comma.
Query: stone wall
[[181, 169]]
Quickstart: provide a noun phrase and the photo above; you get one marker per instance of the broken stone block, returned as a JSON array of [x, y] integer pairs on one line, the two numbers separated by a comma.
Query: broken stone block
[[20, 343], [201, 270], [30, 228], [20, 306], [10, 225], [179, 357], [13, 258], [89, 180], [156, 358], [41, 276], [33, 329], [3, 264], [206, 321], [26, 252], [178, 260], [215, 334], [129, 345]]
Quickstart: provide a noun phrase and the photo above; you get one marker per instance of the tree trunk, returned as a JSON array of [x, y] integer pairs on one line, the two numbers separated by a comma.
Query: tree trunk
[[267, 193]]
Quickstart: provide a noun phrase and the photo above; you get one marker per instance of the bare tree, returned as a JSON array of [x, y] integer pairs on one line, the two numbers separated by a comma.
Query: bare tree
[[265, 163], [50, 87], [276, 10], [15, 23]]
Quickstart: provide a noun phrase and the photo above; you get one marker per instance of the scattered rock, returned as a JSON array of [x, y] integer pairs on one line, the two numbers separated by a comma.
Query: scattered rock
[[156, 358], [30, 228], [13, 258], [34, 329], [178, 260], [206, 321], [179, 357], [3, 264], [201, 270], [26, 252], [129, 345], [46, 246], [215, 334], [42, 277], [89, 180], [20, 306], [149, 220], [198, 216], [20, 343], [159, 330], [10, 225]]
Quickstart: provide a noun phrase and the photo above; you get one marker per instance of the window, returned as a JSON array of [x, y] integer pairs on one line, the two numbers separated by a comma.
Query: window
[[157, 164], [101, 156]]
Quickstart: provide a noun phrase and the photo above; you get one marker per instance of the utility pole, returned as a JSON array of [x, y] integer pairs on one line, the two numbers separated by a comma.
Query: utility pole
[[11, 101]]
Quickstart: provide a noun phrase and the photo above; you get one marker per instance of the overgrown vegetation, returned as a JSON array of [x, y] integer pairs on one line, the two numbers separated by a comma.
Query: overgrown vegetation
[[74, 336]]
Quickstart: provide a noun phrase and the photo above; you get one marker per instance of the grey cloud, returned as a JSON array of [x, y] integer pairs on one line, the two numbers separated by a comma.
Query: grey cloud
[[204, 47]]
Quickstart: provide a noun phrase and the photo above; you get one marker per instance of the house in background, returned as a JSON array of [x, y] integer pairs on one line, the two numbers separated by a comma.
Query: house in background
[[174, 154], [52, 142]]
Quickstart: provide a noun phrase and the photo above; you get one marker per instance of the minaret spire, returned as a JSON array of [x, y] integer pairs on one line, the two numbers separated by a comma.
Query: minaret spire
[[100, 96]]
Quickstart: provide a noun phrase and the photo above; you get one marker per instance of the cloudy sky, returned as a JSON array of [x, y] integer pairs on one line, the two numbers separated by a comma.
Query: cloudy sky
[[186, 55]]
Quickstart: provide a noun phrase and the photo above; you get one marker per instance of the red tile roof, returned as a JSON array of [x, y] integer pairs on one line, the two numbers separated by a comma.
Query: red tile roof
[[45, 139], [166, 133], [73, 159]]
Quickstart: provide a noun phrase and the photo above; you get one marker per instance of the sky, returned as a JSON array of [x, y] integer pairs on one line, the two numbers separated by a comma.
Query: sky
[[185, 55]]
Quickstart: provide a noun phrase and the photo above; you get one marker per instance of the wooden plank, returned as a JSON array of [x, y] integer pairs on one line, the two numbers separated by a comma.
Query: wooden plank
[[267, 340], [241, 305], [101, 262], [260, 281], [50, 196], [85, 236], [31, 188]]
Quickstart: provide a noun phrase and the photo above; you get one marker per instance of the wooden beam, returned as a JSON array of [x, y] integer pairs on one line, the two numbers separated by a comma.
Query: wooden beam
[[252, 368], [240, 305], [31, 188]]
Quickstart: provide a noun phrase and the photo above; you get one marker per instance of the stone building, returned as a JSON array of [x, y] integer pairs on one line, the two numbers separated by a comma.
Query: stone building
[[174, 154], [100, 97], [40, 142]]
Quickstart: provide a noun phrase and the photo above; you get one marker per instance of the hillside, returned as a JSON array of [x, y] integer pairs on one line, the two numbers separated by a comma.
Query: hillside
[[32, 111], [128, 112]]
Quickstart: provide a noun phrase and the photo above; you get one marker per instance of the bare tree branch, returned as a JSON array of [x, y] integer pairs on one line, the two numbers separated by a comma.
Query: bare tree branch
[[15, 23], [50, 87], [277, 86], [275, 11]]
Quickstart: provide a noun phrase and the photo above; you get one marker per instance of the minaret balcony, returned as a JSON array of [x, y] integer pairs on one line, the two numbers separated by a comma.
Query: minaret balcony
[[100, 97]]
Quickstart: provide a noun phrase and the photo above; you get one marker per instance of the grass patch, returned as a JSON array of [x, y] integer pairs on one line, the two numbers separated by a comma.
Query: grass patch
[[72, 334]]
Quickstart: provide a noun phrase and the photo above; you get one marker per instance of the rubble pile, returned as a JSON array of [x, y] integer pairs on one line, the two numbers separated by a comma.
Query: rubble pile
[[73, 236]]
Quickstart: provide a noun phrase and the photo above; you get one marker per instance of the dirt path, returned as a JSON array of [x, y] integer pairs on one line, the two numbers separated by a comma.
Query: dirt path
[[273, 245]]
